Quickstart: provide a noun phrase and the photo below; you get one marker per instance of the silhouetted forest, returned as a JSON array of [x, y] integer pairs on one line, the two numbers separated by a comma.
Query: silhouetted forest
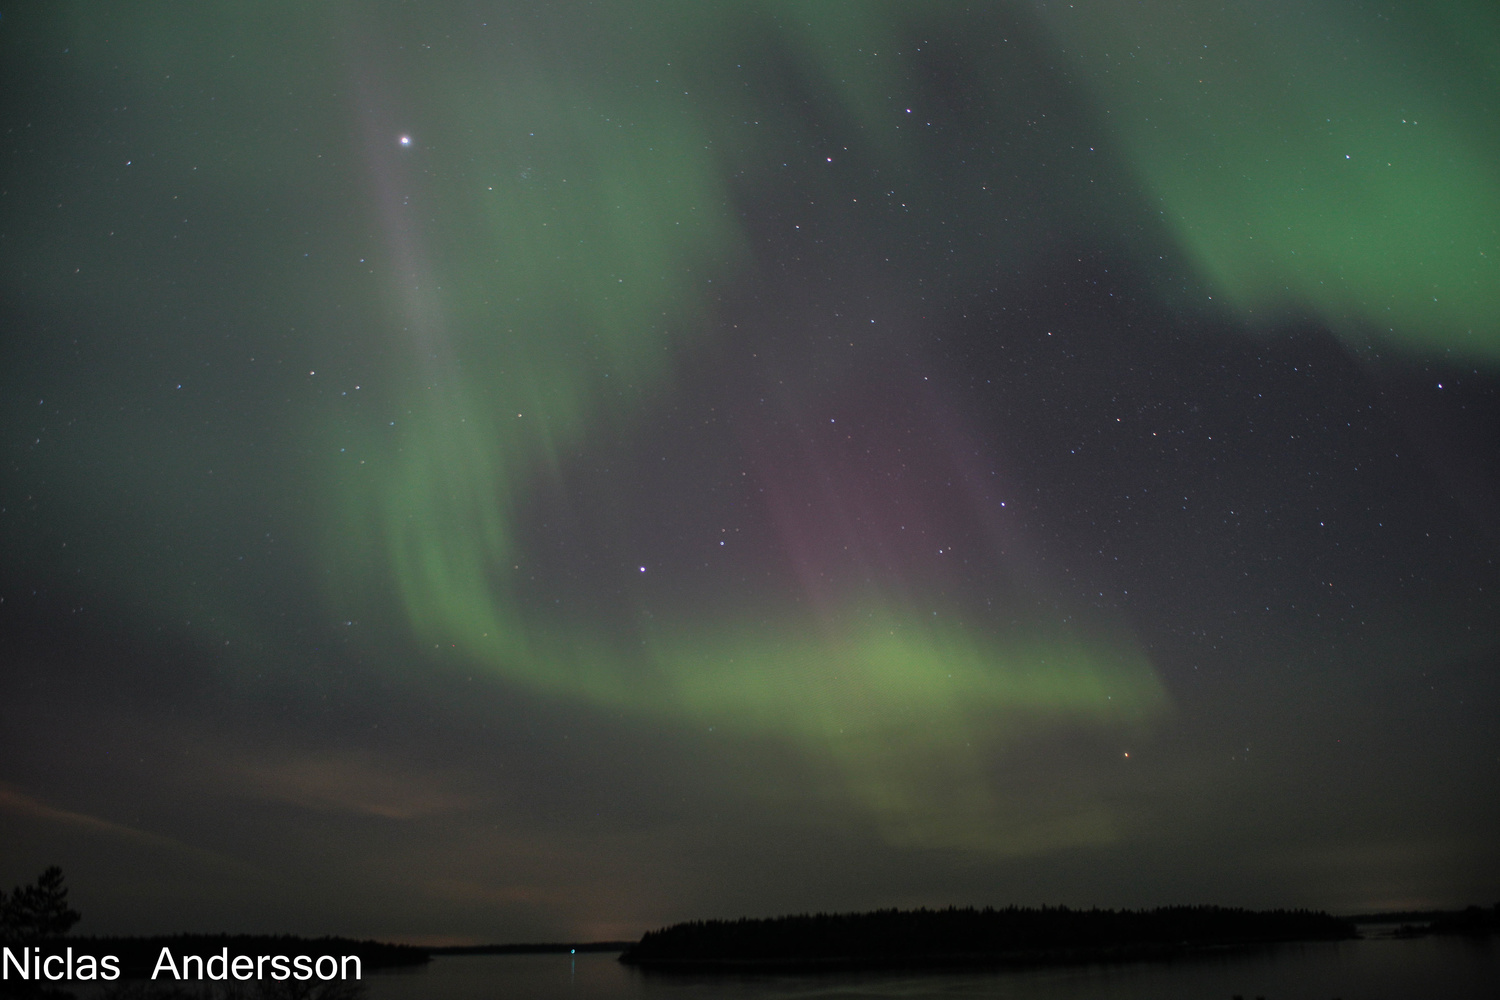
[[968, 936], [1471, 921], [37, 912], [38, 915]]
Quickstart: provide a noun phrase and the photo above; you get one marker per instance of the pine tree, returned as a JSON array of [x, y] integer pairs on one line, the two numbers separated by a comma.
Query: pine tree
[[37, 912]]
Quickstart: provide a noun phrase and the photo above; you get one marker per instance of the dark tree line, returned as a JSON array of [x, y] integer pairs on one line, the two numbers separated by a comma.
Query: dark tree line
[[37, 912], [31, 914], [1472, 920], [895, 936]]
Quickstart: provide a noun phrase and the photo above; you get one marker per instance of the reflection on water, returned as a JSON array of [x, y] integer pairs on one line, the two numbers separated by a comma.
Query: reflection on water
[[1450, 968]]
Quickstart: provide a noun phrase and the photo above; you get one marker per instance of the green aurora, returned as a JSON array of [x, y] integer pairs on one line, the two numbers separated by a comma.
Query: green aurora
[[560, 220], [594, 245], [567, 234]]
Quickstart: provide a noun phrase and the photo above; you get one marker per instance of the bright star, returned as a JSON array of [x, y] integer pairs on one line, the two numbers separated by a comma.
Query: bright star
[[405, 140]]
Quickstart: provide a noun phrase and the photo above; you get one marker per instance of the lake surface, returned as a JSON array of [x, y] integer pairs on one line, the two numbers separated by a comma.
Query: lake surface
[[1374, 969]]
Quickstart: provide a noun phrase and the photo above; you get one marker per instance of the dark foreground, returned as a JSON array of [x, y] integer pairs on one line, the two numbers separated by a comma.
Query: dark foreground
[[968, 937]]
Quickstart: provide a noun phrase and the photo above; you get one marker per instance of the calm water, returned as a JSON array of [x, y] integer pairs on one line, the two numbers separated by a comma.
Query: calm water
[[1422, 969]]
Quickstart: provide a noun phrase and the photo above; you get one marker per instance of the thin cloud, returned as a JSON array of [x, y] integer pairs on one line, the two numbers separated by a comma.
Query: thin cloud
[[352, 783], [15, 801]]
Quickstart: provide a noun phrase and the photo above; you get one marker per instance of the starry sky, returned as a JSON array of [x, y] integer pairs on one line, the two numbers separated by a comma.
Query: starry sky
[[518, 471]]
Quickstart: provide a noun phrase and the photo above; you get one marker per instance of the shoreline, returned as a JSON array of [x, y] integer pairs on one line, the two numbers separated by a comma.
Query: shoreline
[[949, 961]]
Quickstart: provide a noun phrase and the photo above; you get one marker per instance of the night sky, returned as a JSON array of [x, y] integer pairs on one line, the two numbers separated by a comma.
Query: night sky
[[487, 472]]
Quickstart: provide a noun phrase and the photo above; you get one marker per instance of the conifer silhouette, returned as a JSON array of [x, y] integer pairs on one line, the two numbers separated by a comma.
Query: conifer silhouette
[[37, 912]]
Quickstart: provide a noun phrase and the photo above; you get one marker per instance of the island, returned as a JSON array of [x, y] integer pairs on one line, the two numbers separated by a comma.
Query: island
[[1014, 936]]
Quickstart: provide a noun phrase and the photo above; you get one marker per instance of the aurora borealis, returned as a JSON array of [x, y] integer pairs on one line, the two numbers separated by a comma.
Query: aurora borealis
[[487, 472]]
